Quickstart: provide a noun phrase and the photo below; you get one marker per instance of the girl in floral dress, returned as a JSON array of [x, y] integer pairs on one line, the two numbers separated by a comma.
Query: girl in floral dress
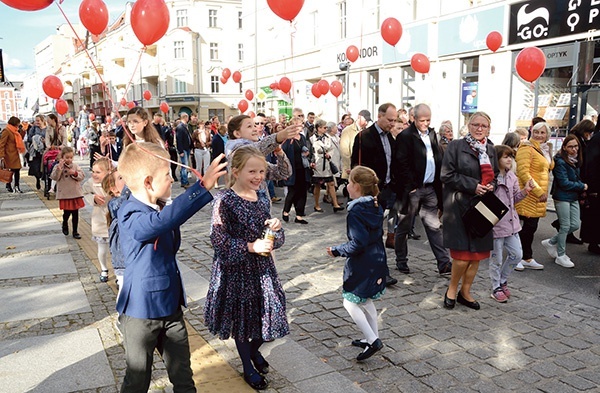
[[245, 298]]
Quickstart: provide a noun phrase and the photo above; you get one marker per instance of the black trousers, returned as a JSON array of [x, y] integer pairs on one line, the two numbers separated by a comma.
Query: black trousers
[[529, 225], [297, 195]]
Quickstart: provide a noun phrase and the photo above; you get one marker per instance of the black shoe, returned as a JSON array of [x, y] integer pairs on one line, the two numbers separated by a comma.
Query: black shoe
[[300, 221], [76, 235], [9, 188], [18, 190], [403, 267], [594, 249], [319, 210], [449, 303], [359, 343], [414, 236], [389, 280], [261, 364], [37, 184], [370, 351], [570, 238], [260, 384], [65, 230], [285, 218], [338, 209], [446, 269], [175, 179], [474, 305]]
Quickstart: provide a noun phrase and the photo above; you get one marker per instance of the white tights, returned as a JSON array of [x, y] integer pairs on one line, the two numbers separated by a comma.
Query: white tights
[[103, 255], [366, 321]]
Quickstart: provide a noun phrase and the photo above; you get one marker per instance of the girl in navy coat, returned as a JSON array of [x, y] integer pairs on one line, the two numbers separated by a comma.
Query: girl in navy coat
[[366, 267]]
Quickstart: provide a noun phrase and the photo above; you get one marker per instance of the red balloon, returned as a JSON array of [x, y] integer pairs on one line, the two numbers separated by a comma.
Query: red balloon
[[131, 105], [92, 117], [530, 63], [123, 101], [336, 88], [147, 95], [493, 41], [243, 106], [52, 86], [286, 9], [315, 90], [61, 106], [223, 80], [237, 77], [285, 85], [249, 95], [420, 63], [352, 53], [252, 114], [391, 31], [323, 86], [28, 5], [164, 107], [94, 15], [149, 20], [274, 86], [226, 73]]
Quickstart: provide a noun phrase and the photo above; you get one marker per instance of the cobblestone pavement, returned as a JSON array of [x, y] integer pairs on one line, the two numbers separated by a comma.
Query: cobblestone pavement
[[543, 340]]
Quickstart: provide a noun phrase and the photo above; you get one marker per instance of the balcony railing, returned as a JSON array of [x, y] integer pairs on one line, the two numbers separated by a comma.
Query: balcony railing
[[85, 92]]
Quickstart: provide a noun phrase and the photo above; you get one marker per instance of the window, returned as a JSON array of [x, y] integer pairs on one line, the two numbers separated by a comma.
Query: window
[[314, 18], [180, 86], [220, 113], [240, 52], [182, 20], [212, 18], [408, 89], [214, 84], [214, 51], [343, 17], [373, 95], [240, 23], [178, 46]]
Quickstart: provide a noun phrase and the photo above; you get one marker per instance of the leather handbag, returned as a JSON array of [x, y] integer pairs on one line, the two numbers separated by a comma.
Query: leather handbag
[[485, 212], [6, 175]]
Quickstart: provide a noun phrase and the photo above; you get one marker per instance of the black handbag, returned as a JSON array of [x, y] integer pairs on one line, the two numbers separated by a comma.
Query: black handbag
[[333, 167], [485, 212]]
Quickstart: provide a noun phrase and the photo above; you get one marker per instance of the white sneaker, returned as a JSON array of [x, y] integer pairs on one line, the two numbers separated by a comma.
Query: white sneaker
[[564, 261], [519, 267], [551, 248], [532, 264]]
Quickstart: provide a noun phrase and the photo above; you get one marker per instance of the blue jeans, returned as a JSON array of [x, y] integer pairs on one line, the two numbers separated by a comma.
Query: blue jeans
[[185, 160], [500, 267], [271, 188], [568, 217]]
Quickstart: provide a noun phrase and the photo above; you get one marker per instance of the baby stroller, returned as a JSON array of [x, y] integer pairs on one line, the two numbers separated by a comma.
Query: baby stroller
[[49, 160]]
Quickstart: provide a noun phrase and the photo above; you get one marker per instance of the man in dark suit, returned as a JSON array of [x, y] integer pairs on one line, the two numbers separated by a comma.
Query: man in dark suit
[[373, 148], [184, 146], [416, 169]]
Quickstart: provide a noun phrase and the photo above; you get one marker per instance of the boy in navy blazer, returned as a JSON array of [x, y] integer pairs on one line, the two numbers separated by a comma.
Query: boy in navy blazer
[[149, 305]]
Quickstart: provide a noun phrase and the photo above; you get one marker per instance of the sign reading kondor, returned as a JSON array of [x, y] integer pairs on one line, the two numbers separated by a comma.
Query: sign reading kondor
[[541, 19]]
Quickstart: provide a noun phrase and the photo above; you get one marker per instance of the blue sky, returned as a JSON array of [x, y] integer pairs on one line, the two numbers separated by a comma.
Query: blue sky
[[22, 30]]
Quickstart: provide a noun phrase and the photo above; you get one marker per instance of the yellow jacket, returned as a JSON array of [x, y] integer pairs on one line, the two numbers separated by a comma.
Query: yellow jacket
[[531, 164]]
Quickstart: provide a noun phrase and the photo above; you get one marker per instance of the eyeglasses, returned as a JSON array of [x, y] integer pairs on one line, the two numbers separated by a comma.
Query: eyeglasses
[[478, 126], [300, 115], [572, 147], [259, 123]]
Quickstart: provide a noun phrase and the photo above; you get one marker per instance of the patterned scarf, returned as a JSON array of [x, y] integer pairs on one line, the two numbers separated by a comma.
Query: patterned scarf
[[479, 147], [18, 138]]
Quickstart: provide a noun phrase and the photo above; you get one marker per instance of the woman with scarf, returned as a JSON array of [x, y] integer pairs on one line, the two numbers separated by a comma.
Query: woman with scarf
[[566, 187], [36, 147], [534, 162], [469, 169], [322, 151], [11, 144]]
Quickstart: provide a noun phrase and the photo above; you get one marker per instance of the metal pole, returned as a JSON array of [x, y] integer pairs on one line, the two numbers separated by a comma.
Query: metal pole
[[141, 89], [346, 101]]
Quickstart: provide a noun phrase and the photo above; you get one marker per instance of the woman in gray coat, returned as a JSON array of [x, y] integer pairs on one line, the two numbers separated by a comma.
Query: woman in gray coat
[[469, 168]]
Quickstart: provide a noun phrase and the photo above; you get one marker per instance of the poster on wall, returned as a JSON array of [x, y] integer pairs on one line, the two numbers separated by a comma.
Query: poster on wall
[[469, 97], [1, 68]]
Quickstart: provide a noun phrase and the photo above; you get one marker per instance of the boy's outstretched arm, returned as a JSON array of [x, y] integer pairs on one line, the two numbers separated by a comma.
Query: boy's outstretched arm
[[214, 172]]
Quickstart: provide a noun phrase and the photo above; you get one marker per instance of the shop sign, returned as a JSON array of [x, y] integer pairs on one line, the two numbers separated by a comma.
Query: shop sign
[[542, 19], [468, 97], [369, 52], [559, 56]]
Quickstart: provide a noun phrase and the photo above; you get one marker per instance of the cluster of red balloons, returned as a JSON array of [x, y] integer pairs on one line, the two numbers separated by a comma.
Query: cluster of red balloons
[[323, 87], [391, 31], [94, 16], [226, 74], [286, 9]]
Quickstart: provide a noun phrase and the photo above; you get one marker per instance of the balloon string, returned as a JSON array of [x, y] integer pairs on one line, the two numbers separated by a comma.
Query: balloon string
[[292, 35], [194, 171]]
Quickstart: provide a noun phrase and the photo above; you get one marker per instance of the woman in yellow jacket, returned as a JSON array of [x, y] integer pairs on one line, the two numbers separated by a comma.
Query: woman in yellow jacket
[[534, 161]]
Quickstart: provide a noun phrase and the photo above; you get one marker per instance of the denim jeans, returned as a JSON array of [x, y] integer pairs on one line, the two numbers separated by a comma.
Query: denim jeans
[[568, 217], [426, 197], [185, 160], [500, 267]]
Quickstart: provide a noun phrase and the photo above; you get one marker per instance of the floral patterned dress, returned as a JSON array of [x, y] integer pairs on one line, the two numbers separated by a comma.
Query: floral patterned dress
[[245, 299]]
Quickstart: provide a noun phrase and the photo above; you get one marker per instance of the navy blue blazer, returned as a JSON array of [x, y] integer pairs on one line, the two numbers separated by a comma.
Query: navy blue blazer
[[152, 285]]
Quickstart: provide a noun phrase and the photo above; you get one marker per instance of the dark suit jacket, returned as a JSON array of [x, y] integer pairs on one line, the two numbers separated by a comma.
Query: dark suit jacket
[[368, 151], [410, 161], [184, 140]]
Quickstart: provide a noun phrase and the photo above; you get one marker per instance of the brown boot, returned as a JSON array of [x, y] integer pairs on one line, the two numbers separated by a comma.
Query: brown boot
[[390, 240]]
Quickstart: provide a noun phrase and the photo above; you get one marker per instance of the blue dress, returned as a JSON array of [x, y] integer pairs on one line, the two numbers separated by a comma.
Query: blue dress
[[245, 299]]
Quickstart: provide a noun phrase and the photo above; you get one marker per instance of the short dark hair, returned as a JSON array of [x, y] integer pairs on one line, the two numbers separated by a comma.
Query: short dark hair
[[536, 120], [235, 124], [384, 107], [311, 114], [14, 121], [503, 150]]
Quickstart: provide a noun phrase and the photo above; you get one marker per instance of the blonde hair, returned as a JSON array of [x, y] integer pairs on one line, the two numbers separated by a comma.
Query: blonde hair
[[480, 114], [240, 157], [104, 163], [522, 132], [366, 179], [140, 160]]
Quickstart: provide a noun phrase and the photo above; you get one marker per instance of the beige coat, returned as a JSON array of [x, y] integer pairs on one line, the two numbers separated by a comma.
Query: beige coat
[[346, 143], [99, 224], [67, 186]]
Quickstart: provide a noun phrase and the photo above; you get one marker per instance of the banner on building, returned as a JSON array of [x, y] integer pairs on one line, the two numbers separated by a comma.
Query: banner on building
[[2, 80], [542, 19], [469, 97]]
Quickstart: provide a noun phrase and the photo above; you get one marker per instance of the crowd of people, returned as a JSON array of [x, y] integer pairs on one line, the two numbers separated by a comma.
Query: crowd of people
[[392, 169]]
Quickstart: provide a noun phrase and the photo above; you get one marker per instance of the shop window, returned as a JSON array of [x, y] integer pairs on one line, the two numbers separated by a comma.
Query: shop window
[[220, 113], [373, 96], [407, 88]]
